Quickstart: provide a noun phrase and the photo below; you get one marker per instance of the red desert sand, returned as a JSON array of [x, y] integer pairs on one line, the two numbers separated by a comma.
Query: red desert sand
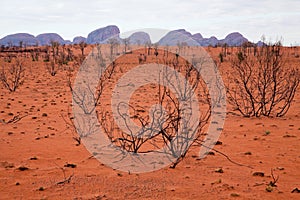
[[40, 159]]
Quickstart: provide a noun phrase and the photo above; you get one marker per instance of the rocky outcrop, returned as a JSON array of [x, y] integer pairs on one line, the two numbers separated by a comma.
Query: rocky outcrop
[[139, 38], [18, 39], [234, 39], [47, 38], [101, 35], [212, 41], [260, 44], [175, 37], [78, 39], [67, 42], [197, 37]]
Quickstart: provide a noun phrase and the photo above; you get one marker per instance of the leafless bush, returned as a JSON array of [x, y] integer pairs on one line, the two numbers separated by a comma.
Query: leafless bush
[[70, 125], [82, 46], [52, 68], [12, 75], [84, 96], [113, 46], [165, 122], [57, 58], [181, 109], [14, 119], [263, 84], [168, 125], [34, 55]]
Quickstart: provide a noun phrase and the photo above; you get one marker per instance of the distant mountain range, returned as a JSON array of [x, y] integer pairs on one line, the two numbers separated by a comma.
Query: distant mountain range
[[102, 35]]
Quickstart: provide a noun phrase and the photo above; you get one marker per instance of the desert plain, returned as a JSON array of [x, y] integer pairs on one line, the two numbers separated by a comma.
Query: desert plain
[[41, 159]]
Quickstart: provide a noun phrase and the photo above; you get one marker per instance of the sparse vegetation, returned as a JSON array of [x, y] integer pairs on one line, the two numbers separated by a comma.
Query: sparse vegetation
[[82, 46], [221, 57], [42, 110], [66, 179], [262, 84], [267, 132], [13, 75], [270, 187], [165, 129]]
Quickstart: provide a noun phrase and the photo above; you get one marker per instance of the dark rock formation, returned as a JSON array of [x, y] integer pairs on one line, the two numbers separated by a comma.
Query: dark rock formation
[[175, 37], [18, 39], [101, 35], [79, 39], [47, 38], [139, 38], [234, 39]]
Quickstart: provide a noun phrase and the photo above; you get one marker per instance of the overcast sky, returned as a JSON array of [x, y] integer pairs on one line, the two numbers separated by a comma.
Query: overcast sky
[[70, 18]]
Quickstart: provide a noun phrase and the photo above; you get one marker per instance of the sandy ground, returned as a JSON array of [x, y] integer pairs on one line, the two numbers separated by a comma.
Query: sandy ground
[[42, 143]]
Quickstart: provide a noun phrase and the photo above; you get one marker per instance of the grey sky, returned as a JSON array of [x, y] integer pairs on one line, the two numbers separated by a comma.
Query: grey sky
[[70, 18]]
